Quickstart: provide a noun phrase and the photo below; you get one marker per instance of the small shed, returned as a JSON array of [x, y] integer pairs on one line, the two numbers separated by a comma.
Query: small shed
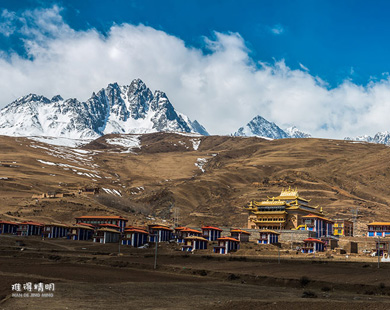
[[194, 243], [89, 190], [240, 234], [382, 247], [268, 236], [106, 235], [211, 233], [226, 245]]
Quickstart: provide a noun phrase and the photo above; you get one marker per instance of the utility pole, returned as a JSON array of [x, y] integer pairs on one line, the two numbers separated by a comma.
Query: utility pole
[[176, 213], [155, 253], [378, 251], [354, 219], [120, 239], [279, 245]]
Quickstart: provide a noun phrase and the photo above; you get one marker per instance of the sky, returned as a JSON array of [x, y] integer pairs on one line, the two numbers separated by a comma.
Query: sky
[[322, 66]]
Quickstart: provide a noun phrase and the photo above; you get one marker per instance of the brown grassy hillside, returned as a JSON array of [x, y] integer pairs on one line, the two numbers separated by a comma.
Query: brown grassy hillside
[[160, 176]]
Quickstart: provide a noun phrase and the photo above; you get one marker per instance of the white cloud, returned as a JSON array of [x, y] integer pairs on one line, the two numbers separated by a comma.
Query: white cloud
[[7, 20], [303, 67], [277, 29], [223, 89]]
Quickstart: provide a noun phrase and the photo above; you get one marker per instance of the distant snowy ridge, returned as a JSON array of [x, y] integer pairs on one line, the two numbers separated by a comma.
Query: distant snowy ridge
[[114, 109], [260, 127], [380, 138], [294, 132]]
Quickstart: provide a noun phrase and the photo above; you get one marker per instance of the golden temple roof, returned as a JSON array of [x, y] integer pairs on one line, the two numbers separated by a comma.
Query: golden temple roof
[[270, 203], [289, 199], [269, 231], [290, 194], [270, 222], [379, 223], [269, 212]]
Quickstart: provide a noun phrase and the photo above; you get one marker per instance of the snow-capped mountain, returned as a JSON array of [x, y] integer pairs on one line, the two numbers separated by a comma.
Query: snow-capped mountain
[[114, 109], [380, 137], [294, 132], [260, 127]]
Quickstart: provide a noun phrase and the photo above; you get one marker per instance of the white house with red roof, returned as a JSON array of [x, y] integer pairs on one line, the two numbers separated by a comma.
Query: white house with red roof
[[106, 235], [8, 227], [159, 233], [268, 236], [97, 220], [211, 233], [55, 230], [135, 236], [81, 231], [322, 226], [29, 228], [240, 235], [184, 232], [193, 243], [313, 245], [226, 245]]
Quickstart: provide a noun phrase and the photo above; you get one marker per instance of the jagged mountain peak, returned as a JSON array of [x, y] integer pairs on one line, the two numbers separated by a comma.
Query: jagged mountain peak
[[294, 132], [115, 109], [57, 98], [261, 127], [32, 98], [380, 138]]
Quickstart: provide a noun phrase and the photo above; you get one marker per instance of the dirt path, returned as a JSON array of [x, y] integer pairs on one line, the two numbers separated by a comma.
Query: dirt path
[[90, 286], [93, 276]]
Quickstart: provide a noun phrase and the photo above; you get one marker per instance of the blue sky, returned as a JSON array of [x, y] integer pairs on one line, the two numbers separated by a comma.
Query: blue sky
[[325, 60], [335, 40]]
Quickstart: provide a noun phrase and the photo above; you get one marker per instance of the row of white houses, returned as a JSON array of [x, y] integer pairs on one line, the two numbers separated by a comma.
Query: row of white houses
[[113, 229]]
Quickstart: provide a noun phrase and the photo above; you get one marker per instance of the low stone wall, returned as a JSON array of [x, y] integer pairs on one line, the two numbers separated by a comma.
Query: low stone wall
[[295, 235], [285, 235]]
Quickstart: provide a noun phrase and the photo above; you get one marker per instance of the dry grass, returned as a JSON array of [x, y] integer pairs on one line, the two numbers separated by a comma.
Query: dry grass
[[162, 176]]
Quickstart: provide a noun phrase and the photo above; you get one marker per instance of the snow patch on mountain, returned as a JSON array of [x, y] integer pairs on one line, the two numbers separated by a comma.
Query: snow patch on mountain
[[200, 162], [129, 142], [61, 141], [196, 143]]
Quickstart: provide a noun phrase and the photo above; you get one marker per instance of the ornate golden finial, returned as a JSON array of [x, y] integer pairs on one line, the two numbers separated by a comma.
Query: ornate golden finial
[[321, 210]]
